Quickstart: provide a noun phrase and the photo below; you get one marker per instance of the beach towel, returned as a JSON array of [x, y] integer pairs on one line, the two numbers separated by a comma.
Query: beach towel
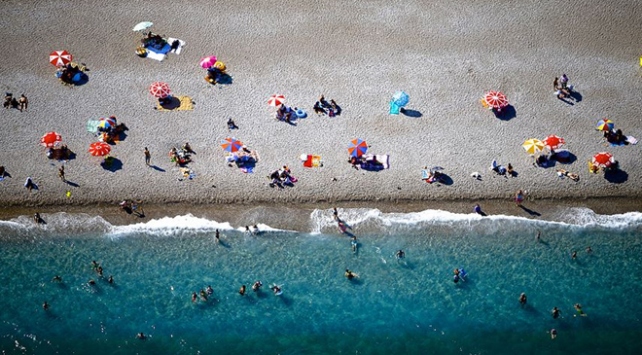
[[183, 103], [312, 161], [180, 46], [160, 50], [382, 162], [156, 56], [394, 109]]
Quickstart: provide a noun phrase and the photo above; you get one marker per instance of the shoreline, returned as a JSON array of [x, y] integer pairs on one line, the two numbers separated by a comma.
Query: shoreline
[[274, 215]]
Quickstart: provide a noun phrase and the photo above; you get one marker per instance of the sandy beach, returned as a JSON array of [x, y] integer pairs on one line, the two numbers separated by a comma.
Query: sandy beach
[[444, 55]]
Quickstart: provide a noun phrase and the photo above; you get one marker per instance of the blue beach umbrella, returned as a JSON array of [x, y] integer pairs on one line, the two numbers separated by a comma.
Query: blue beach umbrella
[[400, 99]]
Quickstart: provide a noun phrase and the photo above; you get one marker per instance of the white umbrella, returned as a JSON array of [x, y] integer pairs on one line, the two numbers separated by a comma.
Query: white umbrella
[[143, 26]]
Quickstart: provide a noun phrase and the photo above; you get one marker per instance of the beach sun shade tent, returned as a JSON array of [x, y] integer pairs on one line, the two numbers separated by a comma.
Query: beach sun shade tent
[[231, 145], [357, 148], [142, 26], [603, 160], [605, 125], [60, 58], [533, 146], [553, 142], [50, 139], [159, 90], [107, 123], [400, 98], [208, 62], [99, 149], [276, 100], [496, 99]]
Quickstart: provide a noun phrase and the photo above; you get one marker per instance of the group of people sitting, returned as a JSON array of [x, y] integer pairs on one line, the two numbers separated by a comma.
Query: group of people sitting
[[11, 102], [155, 41], [281, 177], [110, 134], [562, 87], [616, 137], [288, 114], [245, 159], [502, 170], [322, 107], [182, 156], [216, 72], [71, 73]]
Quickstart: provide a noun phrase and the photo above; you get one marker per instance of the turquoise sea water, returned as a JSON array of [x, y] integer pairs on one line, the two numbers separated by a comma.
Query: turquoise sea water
[[409, 306]]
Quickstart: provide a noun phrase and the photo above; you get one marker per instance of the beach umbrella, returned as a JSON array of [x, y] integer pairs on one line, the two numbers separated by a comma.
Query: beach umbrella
[[276, 100], [553, 142], [50, 139], [107, 123], [603, 160], [60, 58], [533, 146], [605, 125], [142, 26], [496, 99], [231, 145], [208, 62], [400, 99], [159, 89], [92, 126], [357, 148], [99, 149]]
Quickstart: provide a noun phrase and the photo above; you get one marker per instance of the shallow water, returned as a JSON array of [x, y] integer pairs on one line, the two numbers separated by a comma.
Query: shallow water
[[395, 306]]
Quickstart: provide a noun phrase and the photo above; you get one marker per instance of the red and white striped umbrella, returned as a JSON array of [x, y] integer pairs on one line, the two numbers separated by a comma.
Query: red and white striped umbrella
[[159, 89], [50, 139], [276, 100], [496, 99], [99, 149], [553, 142], [603, 159], [60, 58]]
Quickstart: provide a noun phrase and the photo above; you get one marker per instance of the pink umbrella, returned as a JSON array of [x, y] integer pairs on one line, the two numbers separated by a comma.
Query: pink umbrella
[[208, 62], [276, 100], [60, 58], [159, 89]]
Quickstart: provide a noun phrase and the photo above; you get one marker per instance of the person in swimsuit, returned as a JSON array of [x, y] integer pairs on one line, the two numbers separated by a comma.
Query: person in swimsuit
[[349, 274], [400, 254], [555, 312], [522, 299], [242, 290], [256, 286]]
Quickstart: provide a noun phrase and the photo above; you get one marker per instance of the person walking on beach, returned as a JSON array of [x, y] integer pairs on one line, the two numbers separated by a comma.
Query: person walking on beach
[[61, 173], [519, 197], [148, 156]]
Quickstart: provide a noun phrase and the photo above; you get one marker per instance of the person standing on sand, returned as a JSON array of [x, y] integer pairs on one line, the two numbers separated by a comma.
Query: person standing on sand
[[61, 173], [519, 197], [23, 103], [148, 156]]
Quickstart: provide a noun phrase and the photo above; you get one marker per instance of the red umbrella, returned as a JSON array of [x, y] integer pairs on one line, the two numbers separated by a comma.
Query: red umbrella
[[50, 139], [159, 89], [603, 160], [553, 142], [60, 58], [496, 99], [276, 100], [99, 149]]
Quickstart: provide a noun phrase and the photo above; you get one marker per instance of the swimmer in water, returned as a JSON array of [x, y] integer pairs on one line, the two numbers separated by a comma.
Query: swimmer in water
[[91, 282], [194, 297], [209, 290], [553, 333], [354, 243], [242, 290], [57, 278], [537, 237], [218, 238], [203, 295], [574, 255], [110, 279], [256, 286], [255, 229], [522, 299], [276, 289], [555, 312], [45, 306], [400, 254], [579, 310], [94, 265], [456, 278], [141, 336], [349, 274], [100, 271], [589, 250]]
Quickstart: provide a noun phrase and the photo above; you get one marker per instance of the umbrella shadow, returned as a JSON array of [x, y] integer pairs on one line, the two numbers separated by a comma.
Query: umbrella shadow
[[506, 114], [113, 164], [529, 211], [445, 180], [84, 79], [170, 103], [576, 96], [410, 113], [157, 168], [224, 79], [616, 176], [568, 158]]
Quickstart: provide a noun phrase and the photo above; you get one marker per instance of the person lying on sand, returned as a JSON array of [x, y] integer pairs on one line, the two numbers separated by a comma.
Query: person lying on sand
[[572, 176]]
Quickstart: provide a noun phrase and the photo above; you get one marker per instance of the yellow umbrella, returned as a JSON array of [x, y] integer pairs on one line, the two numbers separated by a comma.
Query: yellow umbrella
[[533, 146]]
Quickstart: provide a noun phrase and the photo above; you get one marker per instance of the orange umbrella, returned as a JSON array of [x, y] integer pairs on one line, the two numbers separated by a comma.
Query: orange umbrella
[[603, 160], [496, 99], [99, 149], [553, 142], [50, 139]]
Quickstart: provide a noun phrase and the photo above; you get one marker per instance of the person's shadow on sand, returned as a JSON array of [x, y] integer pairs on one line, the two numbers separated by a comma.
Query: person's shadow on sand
[[157, 168], [410, 113], [529, 211]]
